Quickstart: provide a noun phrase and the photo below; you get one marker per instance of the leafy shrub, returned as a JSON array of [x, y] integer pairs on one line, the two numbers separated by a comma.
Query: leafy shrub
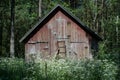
[[17, 69], [11, 69], [93, 70]]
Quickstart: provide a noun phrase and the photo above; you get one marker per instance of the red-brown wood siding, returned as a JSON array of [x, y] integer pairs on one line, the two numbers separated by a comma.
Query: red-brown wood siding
[[60, 28]]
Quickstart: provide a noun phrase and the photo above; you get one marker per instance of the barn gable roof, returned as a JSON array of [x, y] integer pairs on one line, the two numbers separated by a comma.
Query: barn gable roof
[[42, 22]]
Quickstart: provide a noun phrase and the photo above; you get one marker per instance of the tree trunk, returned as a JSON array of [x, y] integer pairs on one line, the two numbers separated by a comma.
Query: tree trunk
[[117, 32], [12, 29], [1, 30], [40, 8]]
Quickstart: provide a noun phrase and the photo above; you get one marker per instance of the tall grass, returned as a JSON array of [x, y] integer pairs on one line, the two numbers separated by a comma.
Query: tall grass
[[17, 69], [11, 69]]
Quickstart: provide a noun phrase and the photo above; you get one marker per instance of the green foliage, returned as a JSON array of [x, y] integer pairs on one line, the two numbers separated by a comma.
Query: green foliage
[[17, 69], [11, 69]]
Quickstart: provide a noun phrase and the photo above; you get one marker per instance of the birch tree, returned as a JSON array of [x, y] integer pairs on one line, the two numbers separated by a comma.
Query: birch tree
[[40, 8], [12, 28]]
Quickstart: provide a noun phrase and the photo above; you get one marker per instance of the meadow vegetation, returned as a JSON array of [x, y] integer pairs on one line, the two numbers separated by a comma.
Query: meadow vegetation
[[18, 69]]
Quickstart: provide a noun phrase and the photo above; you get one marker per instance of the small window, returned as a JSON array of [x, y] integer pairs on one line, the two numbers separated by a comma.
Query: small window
[[69, 23]]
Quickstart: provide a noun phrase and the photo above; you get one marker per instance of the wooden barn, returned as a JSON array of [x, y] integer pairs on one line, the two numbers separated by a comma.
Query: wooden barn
[[60, 34]]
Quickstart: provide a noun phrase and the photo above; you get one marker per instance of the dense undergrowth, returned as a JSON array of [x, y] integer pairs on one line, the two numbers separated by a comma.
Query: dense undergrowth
[[17, 69]]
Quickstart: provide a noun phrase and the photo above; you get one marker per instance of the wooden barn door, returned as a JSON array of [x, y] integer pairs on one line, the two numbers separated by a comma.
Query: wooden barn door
[[62, 49]]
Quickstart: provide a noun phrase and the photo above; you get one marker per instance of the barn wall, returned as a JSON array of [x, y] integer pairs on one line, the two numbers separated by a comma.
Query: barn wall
[[60, 28]]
